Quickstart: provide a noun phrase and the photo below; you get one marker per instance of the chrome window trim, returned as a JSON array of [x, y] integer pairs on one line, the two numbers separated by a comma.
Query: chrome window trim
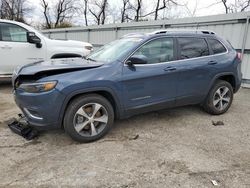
[[174, 61]]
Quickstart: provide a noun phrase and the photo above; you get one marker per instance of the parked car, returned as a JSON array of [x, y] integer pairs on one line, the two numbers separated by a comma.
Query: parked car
[[135, 74], [21, 44]]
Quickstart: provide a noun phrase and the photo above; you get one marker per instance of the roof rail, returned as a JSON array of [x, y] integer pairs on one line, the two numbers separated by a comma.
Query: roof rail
[[134, 35], [183, 31]]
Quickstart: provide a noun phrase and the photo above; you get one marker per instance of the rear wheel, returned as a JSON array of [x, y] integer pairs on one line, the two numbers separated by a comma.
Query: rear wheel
[[219, 98], [88, 118]]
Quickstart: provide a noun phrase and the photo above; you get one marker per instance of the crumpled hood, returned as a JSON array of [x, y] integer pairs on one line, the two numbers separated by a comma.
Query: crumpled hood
[[55, 65]]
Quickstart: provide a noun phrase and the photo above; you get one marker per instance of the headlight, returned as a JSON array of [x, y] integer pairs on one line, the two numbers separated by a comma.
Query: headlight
[[88, 47], [38, 87]]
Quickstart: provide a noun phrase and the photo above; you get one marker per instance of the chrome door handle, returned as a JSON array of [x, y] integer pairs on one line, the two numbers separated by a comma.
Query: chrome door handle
[[170, 69], [212, 62]]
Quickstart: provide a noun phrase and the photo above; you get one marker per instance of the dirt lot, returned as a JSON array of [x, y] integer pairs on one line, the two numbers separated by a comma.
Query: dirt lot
[[175, 148]]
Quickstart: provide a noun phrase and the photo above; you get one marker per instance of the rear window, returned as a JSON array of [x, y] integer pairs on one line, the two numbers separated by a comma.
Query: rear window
[[216, 46], [191, 47]]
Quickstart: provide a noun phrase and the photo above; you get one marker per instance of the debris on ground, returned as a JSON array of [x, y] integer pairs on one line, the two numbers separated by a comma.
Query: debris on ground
[[217, 123], [135, 137], [21, 127], [214, 182], [160, 164]]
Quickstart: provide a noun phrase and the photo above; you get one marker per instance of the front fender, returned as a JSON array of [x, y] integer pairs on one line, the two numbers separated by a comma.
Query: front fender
[[74, 93]]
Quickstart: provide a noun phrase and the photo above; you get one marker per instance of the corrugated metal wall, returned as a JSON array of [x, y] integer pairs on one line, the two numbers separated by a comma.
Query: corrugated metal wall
[[233, 27]]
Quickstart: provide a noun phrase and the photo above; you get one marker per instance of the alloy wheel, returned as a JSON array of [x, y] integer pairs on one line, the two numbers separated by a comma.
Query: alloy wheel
[[90, 119], [222, 98]]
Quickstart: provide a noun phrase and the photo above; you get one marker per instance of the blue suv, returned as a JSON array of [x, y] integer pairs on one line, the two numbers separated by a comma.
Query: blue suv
[[135, 74]]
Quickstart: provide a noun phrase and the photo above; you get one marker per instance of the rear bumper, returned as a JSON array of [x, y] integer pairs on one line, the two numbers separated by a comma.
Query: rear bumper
[[237, 86], [42, 110], [238, 82]]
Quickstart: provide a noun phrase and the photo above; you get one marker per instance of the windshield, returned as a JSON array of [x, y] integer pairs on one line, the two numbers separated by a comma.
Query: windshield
[[114, 50]]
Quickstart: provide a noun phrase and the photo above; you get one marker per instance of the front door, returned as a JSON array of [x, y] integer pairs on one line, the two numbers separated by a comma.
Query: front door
[[15, 50], [154, 83]]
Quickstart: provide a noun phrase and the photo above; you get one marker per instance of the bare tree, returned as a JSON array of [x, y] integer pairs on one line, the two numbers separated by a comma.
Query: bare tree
[[46, 14], [63, 11], [14, 10], [160, 5], [235, 6], [126, 5], [163, 6], [137, 9], [100, 14], [225, 5], [244, 5], [85, 11], [191, 11]]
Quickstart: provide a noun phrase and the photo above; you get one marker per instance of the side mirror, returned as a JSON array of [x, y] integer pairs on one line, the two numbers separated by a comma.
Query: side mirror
[[32, 38], [137, 59]]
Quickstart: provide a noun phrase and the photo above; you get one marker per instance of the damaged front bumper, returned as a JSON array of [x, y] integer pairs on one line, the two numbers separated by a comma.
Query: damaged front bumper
[[42, 110]]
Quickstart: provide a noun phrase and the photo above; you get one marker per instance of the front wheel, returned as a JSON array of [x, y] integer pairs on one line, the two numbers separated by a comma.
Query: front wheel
[[88, 118], [219, 98]]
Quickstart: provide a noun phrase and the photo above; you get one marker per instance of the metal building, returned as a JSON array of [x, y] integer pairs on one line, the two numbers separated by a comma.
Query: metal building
[[233, 27]]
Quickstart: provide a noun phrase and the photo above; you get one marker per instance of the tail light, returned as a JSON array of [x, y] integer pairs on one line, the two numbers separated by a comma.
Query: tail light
[[239, 55]]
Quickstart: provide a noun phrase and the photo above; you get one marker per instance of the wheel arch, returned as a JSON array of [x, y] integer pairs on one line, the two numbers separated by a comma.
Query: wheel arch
[[229, 77], [107, 93]]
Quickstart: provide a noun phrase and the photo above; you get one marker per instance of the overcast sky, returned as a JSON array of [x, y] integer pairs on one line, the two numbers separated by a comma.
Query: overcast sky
[[204, 7]]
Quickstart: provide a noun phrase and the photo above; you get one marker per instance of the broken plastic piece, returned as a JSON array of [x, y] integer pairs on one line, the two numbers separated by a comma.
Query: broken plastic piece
[[217, 123], [22, 128], [214, 182], [135, 137]]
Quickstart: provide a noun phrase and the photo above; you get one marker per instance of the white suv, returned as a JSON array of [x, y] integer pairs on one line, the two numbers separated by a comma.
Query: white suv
[[21, 44]]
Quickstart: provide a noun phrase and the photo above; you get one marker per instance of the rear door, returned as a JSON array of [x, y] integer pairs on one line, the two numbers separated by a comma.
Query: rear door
[[152, 84], [15, 50], [194, 67]]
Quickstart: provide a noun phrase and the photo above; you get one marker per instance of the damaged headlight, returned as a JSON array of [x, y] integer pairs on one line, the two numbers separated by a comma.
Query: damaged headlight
[[38, 87]]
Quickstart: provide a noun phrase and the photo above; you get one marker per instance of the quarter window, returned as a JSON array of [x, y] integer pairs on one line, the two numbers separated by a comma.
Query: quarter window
[[216, 46], [13, 33], [192, 47], [158, 50]]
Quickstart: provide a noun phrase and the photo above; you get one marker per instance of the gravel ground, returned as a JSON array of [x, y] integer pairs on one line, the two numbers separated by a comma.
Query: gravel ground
[[176, 148]]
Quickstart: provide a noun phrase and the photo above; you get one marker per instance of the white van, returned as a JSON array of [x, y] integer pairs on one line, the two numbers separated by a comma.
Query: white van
[[21, 44]]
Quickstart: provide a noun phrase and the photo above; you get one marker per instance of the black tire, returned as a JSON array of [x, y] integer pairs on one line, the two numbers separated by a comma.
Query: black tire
[[209, 106], [71, 113]]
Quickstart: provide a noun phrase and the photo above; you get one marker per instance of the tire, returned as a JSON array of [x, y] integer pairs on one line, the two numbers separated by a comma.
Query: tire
[[219, 98], [88, 118]]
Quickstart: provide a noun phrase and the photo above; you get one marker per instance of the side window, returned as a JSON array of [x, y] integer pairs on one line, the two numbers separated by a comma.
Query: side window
[[12, 33], [192, 47], [158, 50], [216, 46]]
